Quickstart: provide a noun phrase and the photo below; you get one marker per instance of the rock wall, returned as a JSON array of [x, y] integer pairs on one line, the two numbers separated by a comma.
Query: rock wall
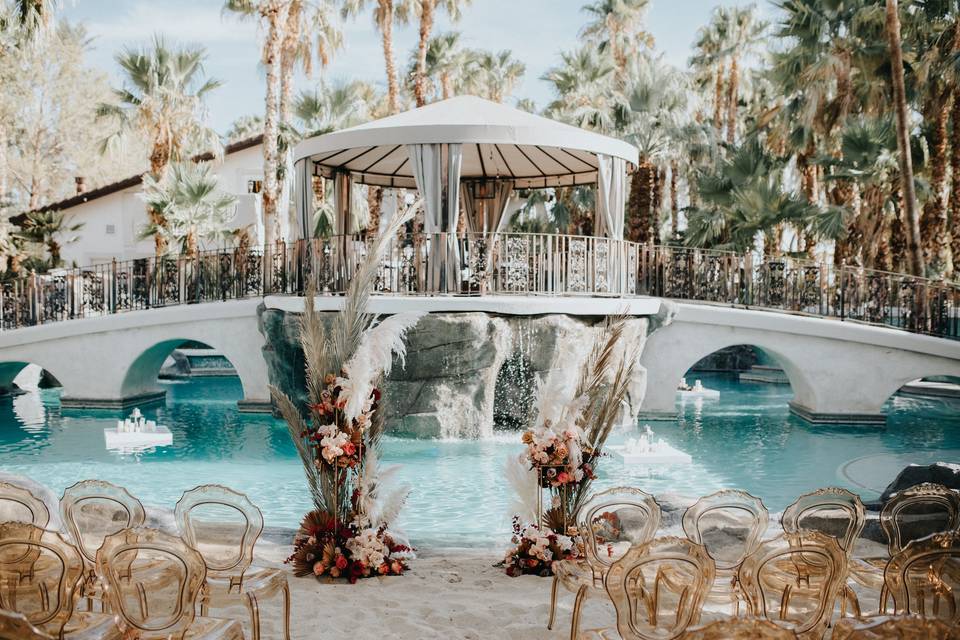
[[465, 373]]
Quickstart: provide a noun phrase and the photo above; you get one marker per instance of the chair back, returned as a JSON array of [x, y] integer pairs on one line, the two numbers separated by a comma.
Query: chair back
[[223, 525], [739, 629], [832, 511], [793, 580], [894, 628], [924, 578], [729, 523], [917, 512], [658, 588], [40, 573], [612, 521], [15, 626], [18, 504], [94, 509], [152, 581]]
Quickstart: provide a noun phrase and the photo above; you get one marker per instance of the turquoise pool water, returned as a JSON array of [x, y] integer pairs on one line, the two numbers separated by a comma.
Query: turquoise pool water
[[747, 439]]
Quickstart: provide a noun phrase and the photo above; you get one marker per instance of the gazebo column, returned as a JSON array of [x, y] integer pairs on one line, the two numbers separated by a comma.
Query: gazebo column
[[343, 223], [436, 170]]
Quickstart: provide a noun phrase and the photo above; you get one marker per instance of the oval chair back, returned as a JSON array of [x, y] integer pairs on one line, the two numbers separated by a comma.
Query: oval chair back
[[794, 580], [152, 581], [894, 628], [924, 578], [55, 568], [18, 504], [832, 511], [658, 588], [612, 521], [15, 626], [94, 509], [713, 519], [917, 512], [204, 516]]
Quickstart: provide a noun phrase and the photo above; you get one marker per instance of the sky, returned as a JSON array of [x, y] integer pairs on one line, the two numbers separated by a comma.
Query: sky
[[535, 30]]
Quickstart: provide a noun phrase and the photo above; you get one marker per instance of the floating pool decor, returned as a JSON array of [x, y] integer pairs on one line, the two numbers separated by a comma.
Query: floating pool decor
[[646, 450], [136, 432], [696, 391], [345, 534]]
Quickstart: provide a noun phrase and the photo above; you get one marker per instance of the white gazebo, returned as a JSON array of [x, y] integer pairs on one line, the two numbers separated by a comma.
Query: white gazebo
[[471, 152]]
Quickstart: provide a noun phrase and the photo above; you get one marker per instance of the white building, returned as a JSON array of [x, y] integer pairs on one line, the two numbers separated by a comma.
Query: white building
[[113, 216]]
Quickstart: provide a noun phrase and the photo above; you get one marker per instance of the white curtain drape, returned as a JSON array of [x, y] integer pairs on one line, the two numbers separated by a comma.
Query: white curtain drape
[[303, 173], [498, 206], [609, 222], [438, 180], [611, 196], [487, 216]]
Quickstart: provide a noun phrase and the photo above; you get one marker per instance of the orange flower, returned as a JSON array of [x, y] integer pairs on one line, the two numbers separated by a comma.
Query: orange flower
[[341, 562]]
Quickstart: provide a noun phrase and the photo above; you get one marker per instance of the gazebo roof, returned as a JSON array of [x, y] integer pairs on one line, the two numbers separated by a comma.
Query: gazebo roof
[[498, 142]]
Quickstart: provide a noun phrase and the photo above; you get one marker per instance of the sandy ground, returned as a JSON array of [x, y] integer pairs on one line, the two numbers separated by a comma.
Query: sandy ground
[[448, 593], [452, 593]]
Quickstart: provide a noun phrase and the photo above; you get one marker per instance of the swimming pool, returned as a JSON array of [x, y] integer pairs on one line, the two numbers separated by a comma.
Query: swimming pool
[[747, 440]]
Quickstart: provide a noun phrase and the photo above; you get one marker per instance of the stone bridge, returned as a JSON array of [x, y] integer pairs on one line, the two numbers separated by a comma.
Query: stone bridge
[[839, 371]]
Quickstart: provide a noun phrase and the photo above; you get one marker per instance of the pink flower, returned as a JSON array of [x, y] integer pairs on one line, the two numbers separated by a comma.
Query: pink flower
[[563, 477], [318, 569], [341, 563]]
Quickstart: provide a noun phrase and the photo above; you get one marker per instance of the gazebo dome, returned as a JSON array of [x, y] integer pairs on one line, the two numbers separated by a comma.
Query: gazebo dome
[[497, 142]]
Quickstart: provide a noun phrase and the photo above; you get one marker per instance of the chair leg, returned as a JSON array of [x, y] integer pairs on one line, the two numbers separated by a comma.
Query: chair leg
[[577, 604], [286, 610], [553, 603], [254, 615]]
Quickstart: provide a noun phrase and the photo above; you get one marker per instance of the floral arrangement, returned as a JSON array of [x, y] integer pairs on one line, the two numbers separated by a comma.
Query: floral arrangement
[[577, 407], [536, 549], [346, 534]]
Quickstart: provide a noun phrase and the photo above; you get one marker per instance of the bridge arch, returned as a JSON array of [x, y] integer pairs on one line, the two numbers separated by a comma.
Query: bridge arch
[[11, 369]]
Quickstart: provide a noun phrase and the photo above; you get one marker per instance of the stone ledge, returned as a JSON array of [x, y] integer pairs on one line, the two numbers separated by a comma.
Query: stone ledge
[[658, 416], [154, 397], [814, 417], [254, 406]]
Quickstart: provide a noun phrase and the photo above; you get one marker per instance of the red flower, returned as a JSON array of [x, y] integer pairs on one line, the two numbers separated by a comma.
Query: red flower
[[349, 449], [563, 477], [341, 562]]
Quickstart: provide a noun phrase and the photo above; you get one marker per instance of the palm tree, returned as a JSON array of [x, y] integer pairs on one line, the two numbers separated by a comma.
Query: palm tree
[[427, 8], [162, 99], [49, 228], [194, 207], [329, 107], [912, 221], [616, 26], [272, 13], [244, 127], [447, 68], [744, 31], [311, 30], [496, 74], [385, 14], [709, 65], [586, 97]]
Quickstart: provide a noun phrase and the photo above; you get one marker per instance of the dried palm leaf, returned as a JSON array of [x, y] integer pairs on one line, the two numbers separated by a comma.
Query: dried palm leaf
[[297, 427]]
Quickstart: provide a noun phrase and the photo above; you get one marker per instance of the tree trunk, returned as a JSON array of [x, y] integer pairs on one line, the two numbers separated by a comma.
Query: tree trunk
[[640, 203], [912, 222], [933, 222], [896, 233], [718, 106], [808, 182], [159, 159], [271, 186], [656, 205], [426, 24], [955, 178], [733, 89], [375, 207], [4, 164], [54, 248], [446, 83], [386, 29], [674, 205], [190, 243], [288, 64]]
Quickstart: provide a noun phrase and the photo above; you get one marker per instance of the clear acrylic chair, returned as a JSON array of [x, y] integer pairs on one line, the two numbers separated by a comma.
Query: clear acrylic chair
[[894, 628], [609, 523], [15, 626], [18, 504], [739, 629], [917, 512], [794, 581], [729, 524], [91, 510], [841, 515], [658, 589], [224, 525], [924, 578], [48, 599], [151, 604]]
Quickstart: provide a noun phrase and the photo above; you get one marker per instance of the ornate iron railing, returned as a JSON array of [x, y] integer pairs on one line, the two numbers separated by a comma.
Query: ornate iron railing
[[505, 264]]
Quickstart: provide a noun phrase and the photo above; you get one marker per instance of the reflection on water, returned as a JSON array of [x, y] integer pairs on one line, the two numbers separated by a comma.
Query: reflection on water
[[747, 439]]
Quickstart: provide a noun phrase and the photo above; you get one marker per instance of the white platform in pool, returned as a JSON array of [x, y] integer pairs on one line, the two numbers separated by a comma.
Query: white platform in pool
[[159, 437], [663, 454], [710, 394]]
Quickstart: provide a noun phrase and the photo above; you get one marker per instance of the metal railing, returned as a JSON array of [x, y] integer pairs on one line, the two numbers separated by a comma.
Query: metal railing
[[478, 264]]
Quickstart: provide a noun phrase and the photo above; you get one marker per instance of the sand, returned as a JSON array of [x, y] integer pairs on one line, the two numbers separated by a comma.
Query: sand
[[448, 593]]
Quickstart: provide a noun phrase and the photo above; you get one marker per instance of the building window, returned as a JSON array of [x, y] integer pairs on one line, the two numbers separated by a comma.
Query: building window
[[254, 186], [111, 229]]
